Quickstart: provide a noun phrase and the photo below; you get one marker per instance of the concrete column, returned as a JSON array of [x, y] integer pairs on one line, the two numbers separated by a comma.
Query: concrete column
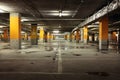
[[34, 39], [77, 36], [41, 36], [96, 37], [114, 37], [6, 37], [15, 31], [68, 36], [26, 36], [65, 36], [73, 37], [45, 37], [82, 34], [119, 40], [93, 37], [48, 36], [85, 35], [103, 34]]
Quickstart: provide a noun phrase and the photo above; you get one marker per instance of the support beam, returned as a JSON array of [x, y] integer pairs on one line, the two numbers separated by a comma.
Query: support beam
[[104, 11], [34, 40], [103, 34], [15, 31]]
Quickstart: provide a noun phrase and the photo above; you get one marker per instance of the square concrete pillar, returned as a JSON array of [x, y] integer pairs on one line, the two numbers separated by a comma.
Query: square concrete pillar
[[15, 31], [34, 37], [103, 34]]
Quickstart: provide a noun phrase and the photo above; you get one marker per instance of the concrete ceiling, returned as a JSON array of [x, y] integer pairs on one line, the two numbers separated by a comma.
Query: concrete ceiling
[[47, 12]]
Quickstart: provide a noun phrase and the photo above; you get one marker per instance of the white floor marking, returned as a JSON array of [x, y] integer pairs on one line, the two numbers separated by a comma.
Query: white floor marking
[[59, 60]]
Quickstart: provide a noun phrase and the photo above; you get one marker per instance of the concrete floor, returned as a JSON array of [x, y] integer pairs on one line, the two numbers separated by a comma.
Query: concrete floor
[[58, 60]]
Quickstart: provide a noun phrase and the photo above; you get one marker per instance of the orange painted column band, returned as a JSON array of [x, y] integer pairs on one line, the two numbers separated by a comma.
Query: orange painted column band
[[15, 26], [103, 33], [114, 37], [68, 36], [41, 36], [77, 35], [103, 29], [5, 33], [85, 33], [65, 36], [33, 31]]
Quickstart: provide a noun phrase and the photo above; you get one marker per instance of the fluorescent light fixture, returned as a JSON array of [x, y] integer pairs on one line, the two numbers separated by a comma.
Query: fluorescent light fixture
[[56, 31], [22, 32], [1, 31], [59, 26], [2, 26], [60, 14], [90, 26], [2, 11]]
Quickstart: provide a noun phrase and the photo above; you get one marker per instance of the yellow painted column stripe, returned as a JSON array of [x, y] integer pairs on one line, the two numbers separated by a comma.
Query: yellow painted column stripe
[[85, 33], [15, 27], [33, 31], [41, 33]]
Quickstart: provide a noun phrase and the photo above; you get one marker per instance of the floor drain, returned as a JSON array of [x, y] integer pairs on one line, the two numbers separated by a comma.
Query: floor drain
[[105, 74], [77, 54]]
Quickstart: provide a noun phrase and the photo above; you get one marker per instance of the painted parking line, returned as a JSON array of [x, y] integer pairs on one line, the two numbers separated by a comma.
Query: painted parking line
[[59, 60]]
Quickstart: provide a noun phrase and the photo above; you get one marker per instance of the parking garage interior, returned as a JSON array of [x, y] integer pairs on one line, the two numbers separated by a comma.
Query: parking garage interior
[[59, 39]]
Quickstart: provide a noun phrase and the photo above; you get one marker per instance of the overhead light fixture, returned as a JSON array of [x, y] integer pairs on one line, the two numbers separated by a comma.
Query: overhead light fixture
[[60, 13], [1, 26], [56, 31], [2, 11], [59, 26]]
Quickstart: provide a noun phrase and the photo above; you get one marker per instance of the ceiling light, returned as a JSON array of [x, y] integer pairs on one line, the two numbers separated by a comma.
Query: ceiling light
[[56, 31], [1, 31], [59, 26], [2, 26], [22, 32], [60, 13], [2, 11]]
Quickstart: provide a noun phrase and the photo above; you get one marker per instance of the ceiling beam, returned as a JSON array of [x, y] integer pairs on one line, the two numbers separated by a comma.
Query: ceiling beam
[[104, 11]]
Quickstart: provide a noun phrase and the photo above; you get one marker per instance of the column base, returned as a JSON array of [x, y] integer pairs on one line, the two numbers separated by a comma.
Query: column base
[[85, 41], [42, 40], [15, 44], [34, 42], [77, 41], [103, 45]]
